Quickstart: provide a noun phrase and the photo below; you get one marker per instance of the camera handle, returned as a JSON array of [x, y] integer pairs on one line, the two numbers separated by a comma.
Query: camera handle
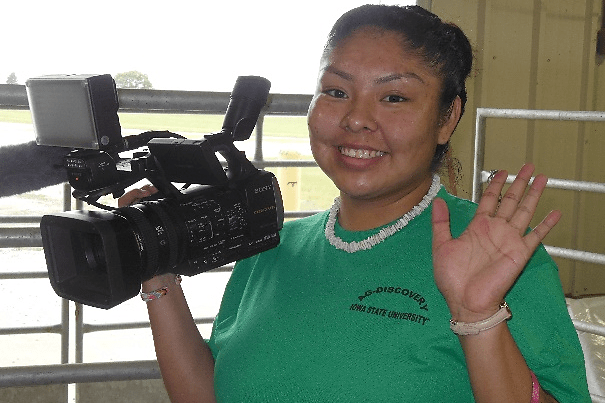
[[238, 166], [117, 190]]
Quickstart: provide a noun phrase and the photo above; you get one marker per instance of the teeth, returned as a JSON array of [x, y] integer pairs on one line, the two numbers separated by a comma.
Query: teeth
[[363, 154]]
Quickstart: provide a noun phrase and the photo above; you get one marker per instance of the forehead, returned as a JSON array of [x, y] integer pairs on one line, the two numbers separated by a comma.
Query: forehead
[[377, 49]]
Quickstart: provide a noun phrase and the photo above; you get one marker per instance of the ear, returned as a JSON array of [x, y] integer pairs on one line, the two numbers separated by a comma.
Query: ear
[[450, 121]]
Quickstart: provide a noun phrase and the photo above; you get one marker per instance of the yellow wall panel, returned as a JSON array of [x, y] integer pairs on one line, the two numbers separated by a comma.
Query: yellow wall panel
[[507, 54]]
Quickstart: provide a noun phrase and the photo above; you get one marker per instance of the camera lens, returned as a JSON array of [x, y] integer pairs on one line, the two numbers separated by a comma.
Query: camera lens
[[92, 248]]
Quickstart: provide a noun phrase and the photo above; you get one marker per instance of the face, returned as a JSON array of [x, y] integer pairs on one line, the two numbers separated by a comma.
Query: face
[[374, 121]]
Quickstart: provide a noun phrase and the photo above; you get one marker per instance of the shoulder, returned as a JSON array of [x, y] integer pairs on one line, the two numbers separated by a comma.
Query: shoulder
[[295, 238], [307, 223], [456, 203], [302, 230]]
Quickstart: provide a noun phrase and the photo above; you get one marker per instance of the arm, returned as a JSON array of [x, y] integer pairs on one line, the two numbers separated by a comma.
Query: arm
[[496, 368], [475, 271], [185, 360]]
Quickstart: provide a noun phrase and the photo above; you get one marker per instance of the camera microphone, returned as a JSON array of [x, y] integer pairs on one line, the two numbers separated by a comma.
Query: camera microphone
[[27, 167], [247, 99]]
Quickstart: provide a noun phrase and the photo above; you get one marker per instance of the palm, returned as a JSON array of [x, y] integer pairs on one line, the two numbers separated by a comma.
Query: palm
[[475, 270]]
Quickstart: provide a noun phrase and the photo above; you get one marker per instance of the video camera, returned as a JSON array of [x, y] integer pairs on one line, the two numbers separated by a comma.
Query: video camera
[[100, 258]]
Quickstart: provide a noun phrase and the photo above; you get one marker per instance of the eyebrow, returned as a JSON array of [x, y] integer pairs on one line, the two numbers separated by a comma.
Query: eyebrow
[[381, 80], [398, 76], [339, 73]]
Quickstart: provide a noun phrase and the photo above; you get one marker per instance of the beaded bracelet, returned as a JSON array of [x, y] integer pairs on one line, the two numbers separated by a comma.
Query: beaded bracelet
[[535, 388], [160, 292], [465, 329]]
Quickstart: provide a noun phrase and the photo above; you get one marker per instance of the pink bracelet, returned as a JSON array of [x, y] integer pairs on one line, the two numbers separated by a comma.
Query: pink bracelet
[[535, 388]]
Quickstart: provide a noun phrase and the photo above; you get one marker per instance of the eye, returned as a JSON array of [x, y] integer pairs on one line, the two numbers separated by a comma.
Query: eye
[[394, 98], [335, 93]]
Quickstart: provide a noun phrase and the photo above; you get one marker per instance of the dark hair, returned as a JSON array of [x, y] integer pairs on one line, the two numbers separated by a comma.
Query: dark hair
[[443, 46]]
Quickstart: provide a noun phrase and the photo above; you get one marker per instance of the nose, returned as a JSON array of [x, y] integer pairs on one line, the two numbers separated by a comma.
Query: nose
[[360, 116]]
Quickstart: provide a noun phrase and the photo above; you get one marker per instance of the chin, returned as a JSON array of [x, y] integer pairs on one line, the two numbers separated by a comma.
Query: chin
[[359, 192]]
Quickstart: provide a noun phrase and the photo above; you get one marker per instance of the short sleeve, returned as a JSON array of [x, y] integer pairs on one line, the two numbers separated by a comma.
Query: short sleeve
[[544, 332]]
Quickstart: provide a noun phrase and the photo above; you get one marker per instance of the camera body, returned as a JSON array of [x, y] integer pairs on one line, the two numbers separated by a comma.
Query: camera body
[[100, 258]]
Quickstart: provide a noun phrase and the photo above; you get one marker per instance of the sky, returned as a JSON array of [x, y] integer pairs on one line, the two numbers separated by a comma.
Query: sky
[[180, 44]]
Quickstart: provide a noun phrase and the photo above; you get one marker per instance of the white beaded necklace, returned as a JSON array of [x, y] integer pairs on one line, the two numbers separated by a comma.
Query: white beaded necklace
[[384, 233]]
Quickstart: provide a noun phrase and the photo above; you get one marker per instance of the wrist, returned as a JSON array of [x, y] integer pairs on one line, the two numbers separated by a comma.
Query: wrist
[[156, 282], [473, 328], [461, 313], [161, 291]]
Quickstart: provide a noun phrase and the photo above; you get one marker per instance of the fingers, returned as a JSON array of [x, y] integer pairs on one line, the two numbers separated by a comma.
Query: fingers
[[491, 197], [135, 195], [441, 223], [524, 211], [517, 206], [538, 234], [511, 200]]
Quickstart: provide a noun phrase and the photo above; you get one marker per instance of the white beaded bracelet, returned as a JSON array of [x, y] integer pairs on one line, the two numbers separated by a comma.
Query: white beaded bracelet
[[464, 329], [160, 292]]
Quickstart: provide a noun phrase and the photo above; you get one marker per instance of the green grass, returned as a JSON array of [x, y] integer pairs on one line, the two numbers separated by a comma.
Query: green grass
[[317, 191], [15, 116], [274, 126]]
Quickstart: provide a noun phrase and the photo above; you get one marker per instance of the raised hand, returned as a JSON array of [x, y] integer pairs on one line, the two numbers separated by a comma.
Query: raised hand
[[475, 271]]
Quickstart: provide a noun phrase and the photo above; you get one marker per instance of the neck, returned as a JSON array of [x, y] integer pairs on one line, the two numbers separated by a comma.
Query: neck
[[358, 214]]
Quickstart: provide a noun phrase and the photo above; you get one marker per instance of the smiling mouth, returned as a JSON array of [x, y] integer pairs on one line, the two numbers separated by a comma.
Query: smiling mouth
[[359, 153]]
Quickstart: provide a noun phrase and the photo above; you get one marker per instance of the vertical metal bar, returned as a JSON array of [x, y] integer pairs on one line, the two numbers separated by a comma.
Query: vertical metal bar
[[64, 331], [65, 328], [79, 341], [479, 154], [258, 151], [66, 197], [79, 316]]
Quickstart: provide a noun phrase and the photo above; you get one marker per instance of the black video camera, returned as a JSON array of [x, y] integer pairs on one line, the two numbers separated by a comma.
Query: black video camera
[[100, 258]]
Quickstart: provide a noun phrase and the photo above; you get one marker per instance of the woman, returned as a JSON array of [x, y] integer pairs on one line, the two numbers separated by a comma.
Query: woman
[[397, 293]]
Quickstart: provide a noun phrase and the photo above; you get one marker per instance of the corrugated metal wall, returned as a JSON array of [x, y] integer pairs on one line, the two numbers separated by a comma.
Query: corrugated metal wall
[[534, 54]]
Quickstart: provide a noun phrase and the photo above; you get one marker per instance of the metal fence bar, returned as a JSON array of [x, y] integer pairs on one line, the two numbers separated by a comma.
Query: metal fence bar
[[77, 373], [64, 331], [30, 330], [20, 219], [565, 184], [20, 237], [65, 304], [23, 275], [591, 328], [484, 113], [165, 101], [90, 328], [583, 256]]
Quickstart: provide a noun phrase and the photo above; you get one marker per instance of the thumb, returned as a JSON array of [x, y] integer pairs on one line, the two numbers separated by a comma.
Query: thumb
[[441, 223]]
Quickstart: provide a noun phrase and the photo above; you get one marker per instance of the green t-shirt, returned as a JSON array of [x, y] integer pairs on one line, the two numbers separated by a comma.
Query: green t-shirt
[[305, 322]]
